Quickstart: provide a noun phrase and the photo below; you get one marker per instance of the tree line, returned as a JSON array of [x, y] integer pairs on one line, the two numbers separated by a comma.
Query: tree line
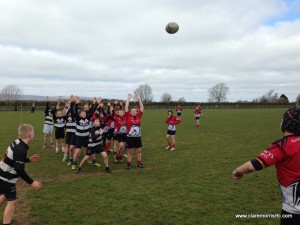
[[216, 94]]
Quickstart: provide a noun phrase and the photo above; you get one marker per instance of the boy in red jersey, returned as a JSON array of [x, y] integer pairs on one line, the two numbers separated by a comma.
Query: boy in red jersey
[[197, 114], [133, 124], [121, 133], [172, 121], [285, 155], [178, 110]]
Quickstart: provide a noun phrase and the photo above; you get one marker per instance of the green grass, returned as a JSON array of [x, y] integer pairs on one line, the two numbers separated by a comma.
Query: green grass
[[192, 185]]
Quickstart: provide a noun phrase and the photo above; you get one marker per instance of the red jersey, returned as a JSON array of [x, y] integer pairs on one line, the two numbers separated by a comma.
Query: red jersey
[[178, 108], [133, 124], [172, 121], [120, 124], [197, 110], [285, 154]]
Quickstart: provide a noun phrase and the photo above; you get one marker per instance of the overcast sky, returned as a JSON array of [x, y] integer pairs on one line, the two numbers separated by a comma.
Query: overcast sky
[[107, 48]]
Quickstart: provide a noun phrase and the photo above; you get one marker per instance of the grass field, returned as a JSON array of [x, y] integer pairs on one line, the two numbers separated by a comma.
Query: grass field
[[192, 185]]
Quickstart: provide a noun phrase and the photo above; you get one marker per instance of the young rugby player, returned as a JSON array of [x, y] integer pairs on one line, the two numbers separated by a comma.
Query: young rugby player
[[95, 146], [82, 119], [285, 155], [12, 166], [48, 125], [133, 124], [172, 121]]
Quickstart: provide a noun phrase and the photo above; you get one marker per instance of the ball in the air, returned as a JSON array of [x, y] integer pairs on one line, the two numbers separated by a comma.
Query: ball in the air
[[172, 27]]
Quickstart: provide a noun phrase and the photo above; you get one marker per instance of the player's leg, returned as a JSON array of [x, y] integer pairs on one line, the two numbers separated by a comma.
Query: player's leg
[[9, 211]]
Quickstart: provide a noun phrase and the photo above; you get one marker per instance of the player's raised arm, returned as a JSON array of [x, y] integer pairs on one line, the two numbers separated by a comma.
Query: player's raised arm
[[129, 96]]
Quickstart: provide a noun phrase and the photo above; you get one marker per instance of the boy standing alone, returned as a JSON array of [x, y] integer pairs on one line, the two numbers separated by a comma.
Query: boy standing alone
[[12, 166]]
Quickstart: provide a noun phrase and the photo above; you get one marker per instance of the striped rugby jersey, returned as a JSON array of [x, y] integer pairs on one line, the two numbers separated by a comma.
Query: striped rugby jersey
[[70, 123], [14, 159], [48, 115]]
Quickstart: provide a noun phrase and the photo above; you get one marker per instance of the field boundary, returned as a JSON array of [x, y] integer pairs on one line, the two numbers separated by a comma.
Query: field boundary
[[166, 107]]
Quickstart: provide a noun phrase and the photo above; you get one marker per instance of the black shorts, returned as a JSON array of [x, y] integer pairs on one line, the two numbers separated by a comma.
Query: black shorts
[[70, 138], [178, 113], [110, 134], [94, 150], [8, 190], [171, 132], [121, 137], [133, 142], [59, 133], [197, 118], [82, 141]]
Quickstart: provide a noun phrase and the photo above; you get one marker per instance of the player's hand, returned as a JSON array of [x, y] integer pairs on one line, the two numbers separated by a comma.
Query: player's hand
[[237, 175], [94, 100], [36, 185], [34, 158], [77, 99]]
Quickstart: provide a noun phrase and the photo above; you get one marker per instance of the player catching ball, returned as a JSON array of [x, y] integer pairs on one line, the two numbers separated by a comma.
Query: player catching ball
[[133, 124]]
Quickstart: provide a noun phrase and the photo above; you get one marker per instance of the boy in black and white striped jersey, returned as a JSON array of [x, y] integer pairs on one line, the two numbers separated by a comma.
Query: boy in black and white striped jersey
[[12, 166], [59, 123], [95, 145], [82, 119], [70, 131]]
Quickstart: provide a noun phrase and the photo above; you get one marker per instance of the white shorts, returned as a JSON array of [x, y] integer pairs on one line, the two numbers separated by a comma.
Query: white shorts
[[48, 129]]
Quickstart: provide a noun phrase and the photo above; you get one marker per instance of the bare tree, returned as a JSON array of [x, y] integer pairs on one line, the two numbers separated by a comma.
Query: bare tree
[[181, 99], [145, 92], [270, 96], [11, 93], [218, 93], [166, 97]]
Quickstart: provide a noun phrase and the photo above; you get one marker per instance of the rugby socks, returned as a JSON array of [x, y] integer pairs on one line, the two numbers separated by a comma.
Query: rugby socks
[[108, 145], [62, 149], [140, 164]]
